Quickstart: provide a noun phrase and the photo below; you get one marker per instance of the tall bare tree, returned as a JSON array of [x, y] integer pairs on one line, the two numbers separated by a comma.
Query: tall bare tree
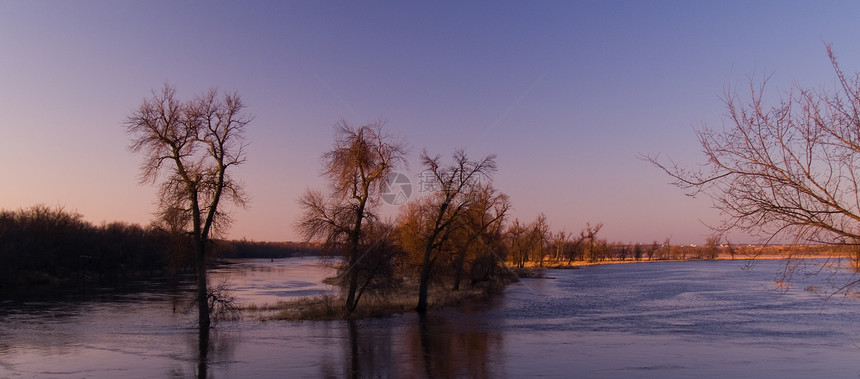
[[189, 147], [787, 169], [356, 167], [456, 182]]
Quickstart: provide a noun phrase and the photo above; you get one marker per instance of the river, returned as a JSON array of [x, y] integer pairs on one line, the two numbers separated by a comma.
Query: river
[[664, 319]]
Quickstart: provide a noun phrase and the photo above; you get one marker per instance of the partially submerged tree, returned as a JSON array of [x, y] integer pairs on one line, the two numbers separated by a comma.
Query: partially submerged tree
[[457, 183], [189, 147], [356, 167]]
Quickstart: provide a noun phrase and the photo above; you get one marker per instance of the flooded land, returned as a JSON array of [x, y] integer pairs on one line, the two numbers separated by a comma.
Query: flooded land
[[664, 319]]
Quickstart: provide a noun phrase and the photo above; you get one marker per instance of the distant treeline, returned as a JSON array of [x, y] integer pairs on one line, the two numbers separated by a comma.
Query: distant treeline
[[41, 245], [253, 249]]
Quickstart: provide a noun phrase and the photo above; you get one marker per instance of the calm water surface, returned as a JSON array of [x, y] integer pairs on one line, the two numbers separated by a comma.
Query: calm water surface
[[671, 319]]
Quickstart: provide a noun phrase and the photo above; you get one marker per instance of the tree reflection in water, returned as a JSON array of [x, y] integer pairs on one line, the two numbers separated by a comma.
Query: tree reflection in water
[[455, 348], [203, 349], [435, 345], [215, 350], [370, 352]]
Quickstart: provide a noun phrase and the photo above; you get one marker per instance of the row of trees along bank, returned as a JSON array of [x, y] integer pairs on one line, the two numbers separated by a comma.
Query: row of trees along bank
[[459, 234], [783, 171]]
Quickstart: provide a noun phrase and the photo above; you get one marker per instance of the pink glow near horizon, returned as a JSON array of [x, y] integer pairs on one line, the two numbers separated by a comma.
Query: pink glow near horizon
[[566, 94]]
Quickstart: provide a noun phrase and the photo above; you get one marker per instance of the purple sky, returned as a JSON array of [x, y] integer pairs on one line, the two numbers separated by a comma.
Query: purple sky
[[566, 93]]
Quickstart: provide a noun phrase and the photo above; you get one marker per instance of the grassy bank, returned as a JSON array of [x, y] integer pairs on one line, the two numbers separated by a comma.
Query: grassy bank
[[533, 269]]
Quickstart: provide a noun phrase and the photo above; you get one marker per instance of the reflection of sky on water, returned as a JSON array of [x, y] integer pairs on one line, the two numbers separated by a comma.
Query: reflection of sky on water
[[685, 319], [262, 281]]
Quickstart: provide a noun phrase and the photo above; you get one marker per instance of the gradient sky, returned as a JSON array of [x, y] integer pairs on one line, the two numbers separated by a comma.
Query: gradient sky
[[566, 93]]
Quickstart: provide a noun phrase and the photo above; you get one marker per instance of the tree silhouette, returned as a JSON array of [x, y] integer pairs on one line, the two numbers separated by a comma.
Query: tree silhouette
[[456, 182], [189, 147], [356, 168]]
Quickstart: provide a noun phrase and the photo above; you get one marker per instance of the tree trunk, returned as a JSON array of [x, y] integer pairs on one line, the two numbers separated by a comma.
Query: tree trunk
[[351, 302], [203, 353], [352, 271], [202, 295], [355, 354], [459, 270], [426, 350], [354, 251], [424, 282], [540, 254]]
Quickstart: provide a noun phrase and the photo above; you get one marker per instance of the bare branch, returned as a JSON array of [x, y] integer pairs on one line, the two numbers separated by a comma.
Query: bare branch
[[788, 168]]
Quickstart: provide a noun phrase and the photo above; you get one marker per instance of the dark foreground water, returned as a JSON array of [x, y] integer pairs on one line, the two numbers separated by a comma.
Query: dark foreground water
[[672, 319]]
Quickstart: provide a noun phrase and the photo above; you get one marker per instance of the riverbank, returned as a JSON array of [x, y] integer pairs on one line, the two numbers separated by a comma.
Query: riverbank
[[529, 269]]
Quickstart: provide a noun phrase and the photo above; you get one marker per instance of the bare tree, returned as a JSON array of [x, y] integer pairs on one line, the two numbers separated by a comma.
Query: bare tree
[[651, 249], [594, 246], [637, 251], [456, 182], [541, 231], [788, 169], [711, 250], [519, 242], [481, 220], [189, 147], [666, 250], [731, 249], [356, 167], [622, 251], [559, 240], [575, 248]]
